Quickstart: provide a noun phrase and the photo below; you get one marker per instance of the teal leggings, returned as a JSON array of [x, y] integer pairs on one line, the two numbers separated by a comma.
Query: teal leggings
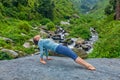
[[66, 51]]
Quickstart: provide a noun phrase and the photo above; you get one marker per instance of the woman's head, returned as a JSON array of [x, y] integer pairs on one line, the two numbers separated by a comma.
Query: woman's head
[[36, 39]]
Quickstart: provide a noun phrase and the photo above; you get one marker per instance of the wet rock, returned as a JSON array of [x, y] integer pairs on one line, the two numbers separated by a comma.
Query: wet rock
[[56, 37], [43, 33], [23, 34], [69, 41], [80, 41], [44, 28], [21, 53], [86, 47], [37, 53], [75, 16], [1, 48], [64, 23], [26, 45]]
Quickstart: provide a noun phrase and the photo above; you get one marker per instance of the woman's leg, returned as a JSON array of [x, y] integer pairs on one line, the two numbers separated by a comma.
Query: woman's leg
[[68, 52], [84, 63]]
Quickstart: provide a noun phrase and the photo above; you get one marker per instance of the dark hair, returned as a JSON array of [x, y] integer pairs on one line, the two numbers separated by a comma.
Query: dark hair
[[35, 41]]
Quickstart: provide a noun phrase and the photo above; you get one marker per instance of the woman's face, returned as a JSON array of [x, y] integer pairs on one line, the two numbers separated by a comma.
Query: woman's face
[[37, 37]]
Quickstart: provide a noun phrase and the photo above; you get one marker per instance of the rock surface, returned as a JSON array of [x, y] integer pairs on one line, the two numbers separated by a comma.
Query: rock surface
[[60, 68]]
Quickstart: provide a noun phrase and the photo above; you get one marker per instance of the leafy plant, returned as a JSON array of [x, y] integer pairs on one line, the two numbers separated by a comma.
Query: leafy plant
[[4, 56], [24, 26], [44, 21], [50, 26], [108, 44]]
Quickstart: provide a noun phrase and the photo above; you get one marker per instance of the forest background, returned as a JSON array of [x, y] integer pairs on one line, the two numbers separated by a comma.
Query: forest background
[[26, 17]]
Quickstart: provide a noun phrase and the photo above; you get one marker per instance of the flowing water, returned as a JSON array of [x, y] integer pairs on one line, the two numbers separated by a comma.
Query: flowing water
[[60, 37]]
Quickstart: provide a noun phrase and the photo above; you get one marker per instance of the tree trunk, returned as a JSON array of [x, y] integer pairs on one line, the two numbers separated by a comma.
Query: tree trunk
[[117, 12]]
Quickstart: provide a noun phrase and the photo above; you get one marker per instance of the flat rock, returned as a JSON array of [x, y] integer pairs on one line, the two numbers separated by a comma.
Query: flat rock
[[60, 68]]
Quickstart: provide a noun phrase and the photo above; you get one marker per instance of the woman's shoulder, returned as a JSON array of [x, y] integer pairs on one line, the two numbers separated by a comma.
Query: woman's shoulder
[[46, 39]]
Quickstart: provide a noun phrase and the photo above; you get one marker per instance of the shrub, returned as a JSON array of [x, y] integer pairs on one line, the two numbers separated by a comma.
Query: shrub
[[1, 16], [44, 21], [5, 44], [23, 15], [80, 31], [24, 26], [50, 26], [4, 56], [108, 44]]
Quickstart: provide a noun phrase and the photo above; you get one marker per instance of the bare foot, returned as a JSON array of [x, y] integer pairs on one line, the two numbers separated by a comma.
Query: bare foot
[[42, 61], [90, 67]]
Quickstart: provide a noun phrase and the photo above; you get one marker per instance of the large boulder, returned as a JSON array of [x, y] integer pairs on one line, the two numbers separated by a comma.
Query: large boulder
[[29, 43], [10, 52], [60, 68]]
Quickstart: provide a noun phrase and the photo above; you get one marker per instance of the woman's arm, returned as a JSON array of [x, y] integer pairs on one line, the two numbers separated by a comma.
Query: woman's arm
[[41, 53], [46, 52], [41, 49]]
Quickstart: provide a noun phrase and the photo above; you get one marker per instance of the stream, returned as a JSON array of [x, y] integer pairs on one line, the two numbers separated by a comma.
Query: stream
[[86, 45]]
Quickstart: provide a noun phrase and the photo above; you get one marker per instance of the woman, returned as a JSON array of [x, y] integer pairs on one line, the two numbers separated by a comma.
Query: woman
[[48, 44]]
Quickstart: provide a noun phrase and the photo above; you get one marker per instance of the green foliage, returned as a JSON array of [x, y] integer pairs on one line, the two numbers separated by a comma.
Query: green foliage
[[44, 21], [17, 30], [1, 16], [20, 20], [14, 29], [108, 44], [24, 10], [80, 27], [29, 51], [4, 56], [63, 9], [1, 8], [50, 26], [83, 20], [6, 44], [80, 31], [24, 26], [84, 6], [110, 9], [36, 9], [23, 15], [46, 8], [98, 10]]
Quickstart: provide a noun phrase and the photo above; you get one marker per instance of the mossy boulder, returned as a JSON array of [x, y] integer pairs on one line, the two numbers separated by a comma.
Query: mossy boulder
[[80, 52]]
